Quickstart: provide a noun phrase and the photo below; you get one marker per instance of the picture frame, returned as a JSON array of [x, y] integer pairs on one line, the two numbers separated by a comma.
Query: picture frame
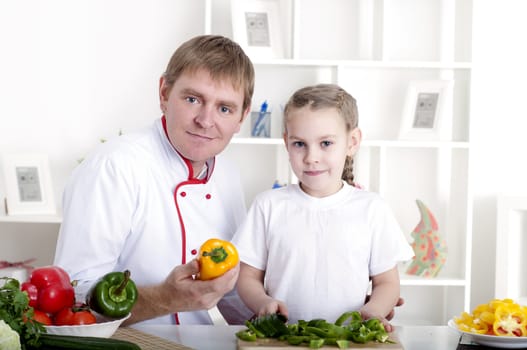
[[427, 113], [29, 189], [256, 28]]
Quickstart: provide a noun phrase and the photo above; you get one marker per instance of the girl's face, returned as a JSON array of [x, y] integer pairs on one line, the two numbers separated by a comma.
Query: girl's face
[[318, 143]]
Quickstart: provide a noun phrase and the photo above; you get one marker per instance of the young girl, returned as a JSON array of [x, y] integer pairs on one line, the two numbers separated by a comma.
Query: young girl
[[309, 250]]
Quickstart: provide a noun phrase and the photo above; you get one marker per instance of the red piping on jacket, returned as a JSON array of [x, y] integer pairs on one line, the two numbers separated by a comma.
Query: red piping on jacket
[[189, 181]]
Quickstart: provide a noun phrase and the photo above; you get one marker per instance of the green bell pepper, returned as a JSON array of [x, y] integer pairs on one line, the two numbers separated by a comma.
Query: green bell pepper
[[114, 295]]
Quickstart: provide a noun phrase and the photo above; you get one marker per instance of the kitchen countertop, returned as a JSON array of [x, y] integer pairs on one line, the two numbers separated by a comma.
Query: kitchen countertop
[[222, 337]]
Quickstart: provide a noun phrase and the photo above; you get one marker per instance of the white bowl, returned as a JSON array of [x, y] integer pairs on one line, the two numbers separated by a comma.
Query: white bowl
[[104, 328]]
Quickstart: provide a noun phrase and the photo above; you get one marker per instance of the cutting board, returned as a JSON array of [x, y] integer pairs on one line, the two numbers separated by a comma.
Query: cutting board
[[274, 344]]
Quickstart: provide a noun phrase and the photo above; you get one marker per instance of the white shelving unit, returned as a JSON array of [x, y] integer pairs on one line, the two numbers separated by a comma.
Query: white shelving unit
[[29, 237], [374, 49]]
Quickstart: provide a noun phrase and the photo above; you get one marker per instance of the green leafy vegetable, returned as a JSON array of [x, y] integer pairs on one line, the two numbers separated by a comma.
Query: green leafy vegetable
[[15, 311], [349, 327]]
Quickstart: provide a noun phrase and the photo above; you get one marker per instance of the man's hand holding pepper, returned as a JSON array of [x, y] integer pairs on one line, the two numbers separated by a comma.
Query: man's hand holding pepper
[[182, 292]]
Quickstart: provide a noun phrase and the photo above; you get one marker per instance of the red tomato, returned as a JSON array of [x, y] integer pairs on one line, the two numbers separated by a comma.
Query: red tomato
[[42, 317], [63, 317], [71, 316]]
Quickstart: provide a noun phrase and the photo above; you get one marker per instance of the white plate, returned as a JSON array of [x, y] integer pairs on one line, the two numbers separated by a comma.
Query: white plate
[[493, 340]]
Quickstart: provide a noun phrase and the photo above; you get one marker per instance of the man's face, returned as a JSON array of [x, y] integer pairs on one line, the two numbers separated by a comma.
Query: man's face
[[201, 115]]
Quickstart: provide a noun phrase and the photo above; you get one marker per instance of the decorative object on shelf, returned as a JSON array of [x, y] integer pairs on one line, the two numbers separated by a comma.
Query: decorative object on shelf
[[427, 111], [261, 122], [28, 185], [277, 184], [256, 27], [429, 247]]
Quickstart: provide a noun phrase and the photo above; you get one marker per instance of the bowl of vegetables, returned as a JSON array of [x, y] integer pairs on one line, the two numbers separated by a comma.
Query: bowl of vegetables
[[108, 303], [104, 327], [499, 323]]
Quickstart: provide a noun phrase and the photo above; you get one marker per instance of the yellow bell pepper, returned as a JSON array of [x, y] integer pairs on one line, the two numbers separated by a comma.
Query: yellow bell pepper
[[510, 320], [216, 257], [500, 317], [469, 323]]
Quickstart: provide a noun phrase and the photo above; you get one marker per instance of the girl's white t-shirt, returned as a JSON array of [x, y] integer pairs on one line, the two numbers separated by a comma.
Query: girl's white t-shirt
[[318, 253]]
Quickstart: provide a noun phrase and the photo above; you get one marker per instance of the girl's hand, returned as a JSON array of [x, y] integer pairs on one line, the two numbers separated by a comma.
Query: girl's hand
[[366, 315], [391, 314], [273, 306]]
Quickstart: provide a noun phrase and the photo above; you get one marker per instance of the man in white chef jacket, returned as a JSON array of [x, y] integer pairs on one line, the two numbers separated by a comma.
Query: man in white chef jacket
[[146, 201]]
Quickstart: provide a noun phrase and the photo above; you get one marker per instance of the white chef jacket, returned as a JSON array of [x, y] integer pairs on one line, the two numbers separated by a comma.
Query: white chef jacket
[[319, 253], [132, 205]]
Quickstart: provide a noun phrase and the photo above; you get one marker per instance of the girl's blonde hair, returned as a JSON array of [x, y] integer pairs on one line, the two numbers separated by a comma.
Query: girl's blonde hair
[[221, 57], [327, 96]]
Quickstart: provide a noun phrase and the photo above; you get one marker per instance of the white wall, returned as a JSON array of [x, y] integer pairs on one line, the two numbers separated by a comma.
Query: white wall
[[72, 72], [499, 120]]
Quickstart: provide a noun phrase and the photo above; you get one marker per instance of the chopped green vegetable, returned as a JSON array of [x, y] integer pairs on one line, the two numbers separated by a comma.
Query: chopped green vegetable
[[354, 315], [316, 343], [272, 326], [343, 344], [246, 335], [253, 329], [317, 332], [296, 339]]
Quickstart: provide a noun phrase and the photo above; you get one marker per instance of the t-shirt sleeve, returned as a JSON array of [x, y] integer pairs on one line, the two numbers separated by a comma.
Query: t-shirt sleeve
[[389, 245], [250, 238]]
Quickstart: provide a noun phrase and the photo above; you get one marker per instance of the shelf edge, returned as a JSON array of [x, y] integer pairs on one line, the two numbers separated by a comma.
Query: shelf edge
[[364, 63], [364, 143], [441, 282], [32, 219], [257, 141]]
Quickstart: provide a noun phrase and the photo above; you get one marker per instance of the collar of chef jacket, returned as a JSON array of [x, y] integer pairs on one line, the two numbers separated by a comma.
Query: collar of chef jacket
[[209, 164]]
